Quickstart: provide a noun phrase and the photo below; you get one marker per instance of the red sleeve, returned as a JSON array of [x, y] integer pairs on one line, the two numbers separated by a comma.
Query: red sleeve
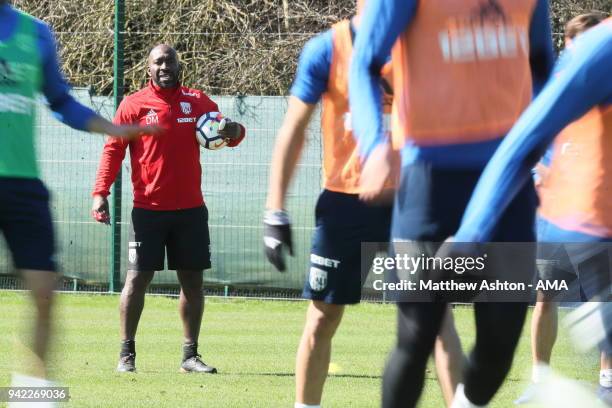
[[112, 154]]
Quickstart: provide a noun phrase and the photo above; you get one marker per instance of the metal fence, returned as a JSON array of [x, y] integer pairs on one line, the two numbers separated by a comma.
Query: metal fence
[[234, 184]]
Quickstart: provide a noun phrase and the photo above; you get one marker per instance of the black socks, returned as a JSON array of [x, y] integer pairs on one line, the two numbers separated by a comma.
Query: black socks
[[127, 347], [189, 350]]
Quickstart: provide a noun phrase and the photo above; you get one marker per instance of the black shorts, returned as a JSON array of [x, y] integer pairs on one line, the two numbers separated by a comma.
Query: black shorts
[[343, 222], [182, 233], [25, 220], [430, 203], [429, 207]]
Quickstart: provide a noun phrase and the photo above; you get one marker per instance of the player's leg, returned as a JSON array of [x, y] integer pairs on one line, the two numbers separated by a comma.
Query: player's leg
[[553, 264], [417, 327], [496, 339], [191, 310], [131, 302], [25, 220], [544, 327], [335, 278], [191, 303], [423, 220], [448, 357], [492, 355], [314, 351], [188, 248], [605, 378], [592, 261], [145, 256], [41, 285]]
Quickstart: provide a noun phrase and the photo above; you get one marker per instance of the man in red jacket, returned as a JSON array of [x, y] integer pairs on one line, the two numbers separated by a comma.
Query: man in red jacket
[[169, 212]]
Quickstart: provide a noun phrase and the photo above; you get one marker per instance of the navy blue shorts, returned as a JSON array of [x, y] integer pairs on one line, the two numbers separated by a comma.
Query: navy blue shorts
[[343, 222], [581, 260], [429, 207], [430, 203], [25, 221]]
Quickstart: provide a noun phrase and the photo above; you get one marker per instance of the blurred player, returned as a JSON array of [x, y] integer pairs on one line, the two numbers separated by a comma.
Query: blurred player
[[343, 222], [29, 66], [169, 213], [463, 73], [544, 319], [576, 204]]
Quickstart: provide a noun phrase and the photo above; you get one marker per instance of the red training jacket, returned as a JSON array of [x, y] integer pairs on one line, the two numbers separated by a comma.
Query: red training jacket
[[166, 171]]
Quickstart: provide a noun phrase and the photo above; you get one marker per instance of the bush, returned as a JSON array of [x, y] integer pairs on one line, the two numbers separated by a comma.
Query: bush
[[228, 47]]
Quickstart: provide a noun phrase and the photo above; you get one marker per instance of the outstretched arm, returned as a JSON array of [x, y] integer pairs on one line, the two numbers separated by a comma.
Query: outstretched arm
[[64, 106]]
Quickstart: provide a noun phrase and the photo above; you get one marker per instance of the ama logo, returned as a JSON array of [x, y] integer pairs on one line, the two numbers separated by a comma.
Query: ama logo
[[487, 33]]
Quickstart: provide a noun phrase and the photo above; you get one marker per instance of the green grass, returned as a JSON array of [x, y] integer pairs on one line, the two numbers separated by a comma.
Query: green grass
[[252, 343]]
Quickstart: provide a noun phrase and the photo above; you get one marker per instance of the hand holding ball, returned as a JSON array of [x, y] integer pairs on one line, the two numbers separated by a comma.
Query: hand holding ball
[[209, 130]]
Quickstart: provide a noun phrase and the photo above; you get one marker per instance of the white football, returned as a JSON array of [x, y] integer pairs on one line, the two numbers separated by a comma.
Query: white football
[[207, 131]]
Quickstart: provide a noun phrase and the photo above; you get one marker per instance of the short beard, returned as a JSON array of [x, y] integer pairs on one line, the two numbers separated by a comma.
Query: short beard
[[159, 84]]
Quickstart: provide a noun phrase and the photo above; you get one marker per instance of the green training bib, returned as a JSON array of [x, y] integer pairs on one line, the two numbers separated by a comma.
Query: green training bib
[[20, 82]]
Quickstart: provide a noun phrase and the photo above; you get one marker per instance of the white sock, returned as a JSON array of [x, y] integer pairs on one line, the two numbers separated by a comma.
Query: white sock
[[300, 405], [461, 401], [605, 378], [540, 372], [21, 380]]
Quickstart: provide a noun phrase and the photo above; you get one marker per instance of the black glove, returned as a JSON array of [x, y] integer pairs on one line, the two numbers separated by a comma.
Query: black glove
[[229, 129], [277, 234]]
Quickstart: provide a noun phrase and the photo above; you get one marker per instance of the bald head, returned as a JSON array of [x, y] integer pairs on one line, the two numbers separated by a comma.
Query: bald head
[[160, 49], [164, 66]]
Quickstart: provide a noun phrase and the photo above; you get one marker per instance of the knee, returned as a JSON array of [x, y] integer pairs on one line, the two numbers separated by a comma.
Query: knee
[[323, 321], [192, 293], [41, 285], [135, 284], [191, 281], [43, 297]]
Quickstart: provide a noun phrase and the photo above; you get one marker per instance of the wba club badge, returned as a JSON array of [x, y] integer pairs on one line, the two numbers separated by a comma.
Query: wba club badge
[[132, 254], [317, 279], [186, 108]]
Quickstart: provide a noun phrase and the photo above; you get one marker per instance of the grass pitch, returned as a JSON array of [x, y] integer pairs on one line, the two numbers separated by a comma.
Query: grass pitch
[[251, 342]]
